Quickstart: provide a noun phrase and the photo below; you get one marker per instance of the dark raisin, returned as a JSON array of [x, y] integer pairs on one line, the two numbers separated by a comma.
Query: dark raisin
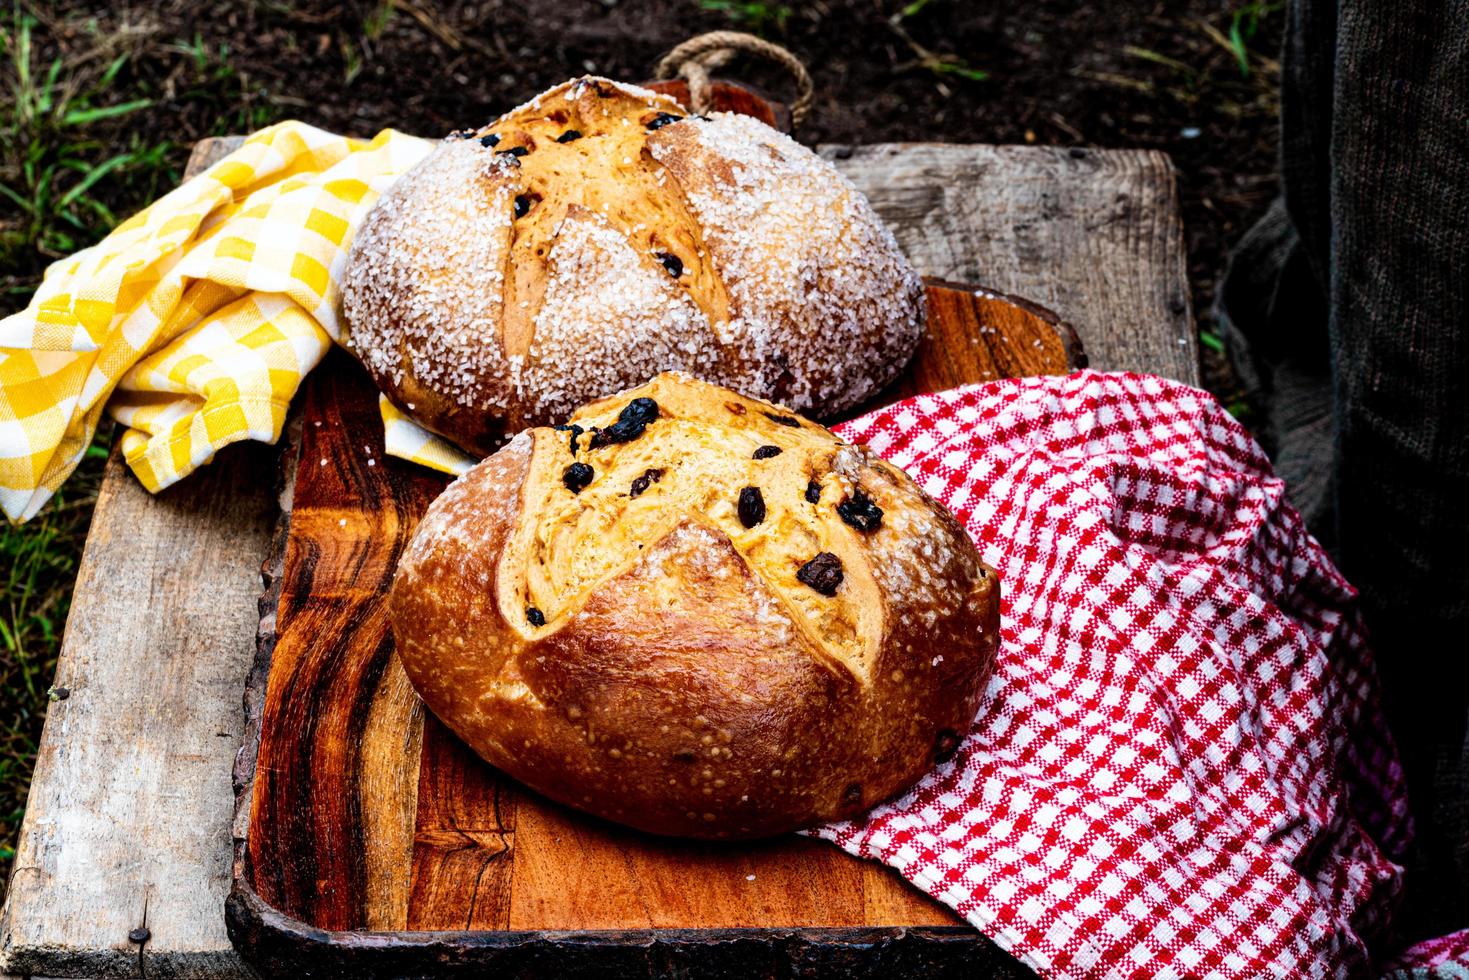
[[641, 483], [813, 492], [662, 119], [460, 134], [672, 263], [514, 151], [765, 452], [642, 410], [490, 140], [629, 425], [534, 616], [852, 795], [522, 205], [859, 511], [752, 506], [569, 136], [945, 745], [784, 420], [822, 573], [575, 431], [577, 476], [684, 755]]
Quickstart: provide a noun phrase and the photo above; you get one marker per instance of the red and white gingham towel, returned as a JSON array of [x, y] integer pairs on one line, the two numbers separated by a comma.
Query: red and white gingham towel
[[1179, 768]]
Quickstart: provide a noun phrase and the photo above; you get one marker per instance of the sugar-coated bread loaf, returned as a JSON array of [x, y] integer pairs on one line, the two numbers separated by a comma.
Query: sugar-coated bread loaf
[[698, 614], [600, 234]]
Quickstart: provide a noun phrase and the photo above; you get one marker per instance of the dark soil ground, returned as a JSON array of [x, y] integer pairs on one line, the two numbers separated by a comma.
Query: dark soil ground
[[135, 84]]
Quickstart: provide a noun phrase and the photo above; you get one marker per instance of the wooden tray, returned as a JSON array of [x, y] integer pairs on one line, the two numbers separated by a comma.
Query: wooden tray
[[370, 842]]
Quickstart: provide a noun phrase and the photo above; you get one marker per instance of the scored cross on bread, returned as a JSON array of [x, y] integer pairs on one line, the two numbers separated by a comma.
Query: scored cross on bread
[[791, 479], [698, 614], [579, 167], [600, 234]]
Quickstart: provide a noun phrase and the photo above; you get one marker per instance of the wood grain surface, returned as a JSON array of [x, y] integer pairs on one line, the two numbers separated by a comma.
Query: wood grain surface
[[1094, 235], [158, 640], [159, 852]]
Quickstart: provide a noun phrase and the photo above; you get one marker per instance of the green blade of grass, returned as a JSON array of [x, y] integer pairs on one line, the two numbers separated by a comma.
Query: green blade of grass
[[80, 117], [23, 50], [963, 71], [105, 82], [109, 220], [92, 176], [1159, 59], [1237, 45], [29, 207], [48, 88]]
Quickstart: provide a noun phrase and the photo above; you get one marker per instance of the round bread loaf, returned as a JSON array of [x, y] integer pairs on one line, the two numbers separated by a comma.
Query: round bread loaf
[[598, 235], [697, 614]]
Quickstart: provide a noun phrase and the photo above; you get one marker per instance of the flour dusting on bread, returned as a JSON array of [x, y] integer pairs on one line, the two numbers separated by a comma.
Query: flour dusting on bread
[[599, 234]]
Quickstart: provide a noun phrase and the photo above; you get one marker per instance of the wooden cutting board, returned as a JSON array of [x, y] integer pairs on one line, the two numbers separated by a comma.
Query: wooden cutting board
[[369, 841]]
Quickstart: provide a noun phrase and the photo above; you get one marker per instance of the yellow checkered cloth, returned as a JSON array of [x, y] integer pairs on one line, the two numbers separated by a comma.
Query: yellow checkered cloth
[[194, 322]]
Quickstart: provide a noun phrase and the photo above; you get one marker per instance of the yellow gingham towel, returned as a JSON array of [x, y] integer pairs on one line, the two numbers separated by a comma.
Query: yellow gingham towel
[[194, 322]]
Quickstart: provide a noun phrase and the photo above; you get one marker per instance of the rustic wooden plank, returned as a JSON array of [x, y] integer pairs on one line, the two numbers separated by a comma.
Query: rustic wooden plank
[[1094, 235], [128, 811]]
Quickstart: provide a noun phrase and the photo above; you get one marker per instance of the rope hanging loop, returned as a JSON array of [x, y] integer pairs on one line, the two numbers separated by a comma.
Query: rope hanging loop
[[696, 58]]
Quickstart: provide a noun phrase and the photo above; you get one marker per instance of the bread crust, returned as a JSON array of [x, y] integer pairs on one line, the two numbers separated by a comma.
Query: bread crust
[[511, 276], [684, 679]]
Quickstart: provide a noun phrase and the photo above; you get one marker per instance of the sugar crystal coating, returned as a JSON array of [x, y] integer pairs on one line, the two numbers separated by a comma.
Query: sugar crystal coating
[[596, 236]]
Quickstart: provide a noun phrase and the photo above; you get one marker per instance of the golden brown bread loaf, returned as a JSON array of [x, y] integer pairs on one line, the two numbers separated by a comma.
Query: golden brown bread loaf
[[598, 235], [697, 614]]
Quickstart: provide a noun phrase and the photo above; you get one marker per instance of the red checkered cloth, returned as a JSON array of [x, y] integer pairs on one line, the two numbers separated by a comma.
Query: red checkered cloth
[[1440, 959], [1179, 767]]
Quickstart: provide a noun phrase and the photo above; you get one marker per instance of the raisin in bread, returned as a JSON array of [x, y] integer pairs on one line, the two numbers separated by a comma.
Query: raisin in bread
[[697, 614], [598, 235]]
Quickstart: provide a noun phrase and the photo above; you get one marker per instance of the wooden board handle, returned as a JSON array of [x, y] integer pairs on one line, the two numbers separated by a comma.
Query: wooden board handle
[[726, 96]]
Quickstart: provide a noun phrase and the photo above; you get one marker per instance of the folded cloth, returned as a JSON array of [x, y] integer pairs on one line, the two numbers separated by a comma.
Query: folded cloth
[[1179, 767], [194, 321]]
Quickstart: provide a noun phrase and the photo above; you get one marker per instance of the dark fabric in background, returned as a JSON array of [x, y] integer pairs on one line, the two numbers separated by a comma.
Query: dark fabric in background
[[1347, 308]]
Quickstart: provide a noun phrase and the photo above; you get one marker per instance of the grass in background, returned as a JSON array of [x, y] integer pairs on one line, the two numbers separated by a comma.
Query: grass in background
[[51, 163], [754, 17], [80, 144]]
